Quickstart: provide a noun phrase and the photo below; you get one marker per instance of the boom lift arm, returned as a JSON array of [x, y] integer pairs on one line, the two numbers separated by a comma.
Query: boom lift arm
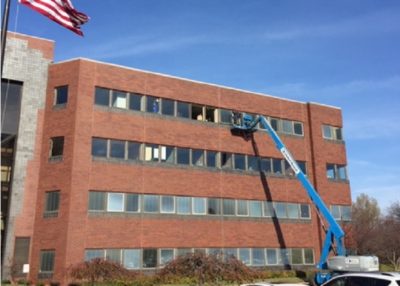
[[334, 233]]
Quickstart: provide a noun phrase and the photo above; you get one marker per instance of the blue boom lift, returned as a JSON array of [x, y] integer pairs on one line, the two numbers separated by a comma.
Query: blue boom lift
[[334, 239]]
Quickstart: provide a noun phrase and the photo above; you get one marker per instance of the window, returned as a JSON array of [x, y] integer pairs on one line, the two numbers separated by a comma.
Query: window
[[253, 163], [56, 146], [342, 172], [135, 101], [214, 206], [211, 159], [197, 112], [52, 204], [131, 258], [336, 172], [287, 126], [134, 151], [183, 251], [117, 149], [61, 95], [182, 109], [240, 162], [292, 211], [183, 205], [330, 171], [115, 202], [149, 258], [151, 203], [298, 128], [211, 114], [199, 206], [297, 256], [244, 255], [277, 166], [305, 211], [338, 134], [153, 104], [242, 208], [99, 147], [113, 255], [266, 165], [226, 160], [198, 158], [228, 207], [119, 99], [151, 152], [132, 203], [308, 256], [284, 257], [47, 261], [167, 204], [225, 116], [229, 253], [302, 166], [183, 156], [168, 154], [335, 210], [268, 209], [91, 254], [280, 210], [97, 201], [255, 208], [168, 107], [346, 213], [332, 133], [102, 96], [288, 169], [258, 257], [271, 257], [166, 255]]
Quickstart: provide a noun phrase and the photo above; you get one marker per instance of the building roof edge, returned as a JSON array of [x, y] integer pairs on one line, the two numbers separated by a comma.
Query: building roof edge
[[29, 36]]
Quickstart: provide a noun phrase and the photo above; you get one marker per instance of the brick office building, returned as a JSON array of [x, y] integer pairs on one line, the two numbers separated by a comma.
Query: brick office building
[[139, 167]]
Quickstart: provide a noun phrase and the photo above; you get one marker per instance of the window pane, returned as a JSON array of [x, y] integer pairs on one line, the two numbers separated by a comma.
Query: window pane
[[119, 99], [342, 172], [183, 251], [258, 257], [167, 255], [226, 160], [210, 114], [274, 124], [268, 209], [199, 206], [228, 207], [304, 211], [99, 147], [151, 152], [183, 155], [297, 256], [244, 255], [229, 253], [183, 205], [280, 210], [168, 107], [288, 169], [338, 132], [225, 116], [93, 254], [197, 112], [242, 207], [240, 162], [61, 95], [327, 133], [271, 257], [293, 210], [134, 151], [115, 202], [277, 166], [132, 202], [102, 96], [198, 157], [255, 209], [266, 165], [167, 154], [330, 171], [298, 128], [117, 149], [182, 109], [253, 163], [302, 166], [151, 203], [47, 260], [284, 256], [135, 101], [153, 104], [131, 258], [52, 201], [149, 258], [57, 146], [167, 204], [346, 213], [211, 159], [335, 210], [308, 256], [287, 126], [97, 201], [113, 255], [214, 206]]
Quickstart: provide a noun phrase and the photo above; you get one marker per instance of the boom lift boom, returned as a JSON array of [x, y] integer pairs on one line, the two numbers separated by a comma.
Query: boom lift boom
[[334, 239]]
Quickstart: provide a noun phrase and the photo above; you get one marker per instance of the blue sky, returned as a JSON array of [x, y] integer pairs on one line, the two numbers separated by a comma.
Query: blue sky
[[342, 53]]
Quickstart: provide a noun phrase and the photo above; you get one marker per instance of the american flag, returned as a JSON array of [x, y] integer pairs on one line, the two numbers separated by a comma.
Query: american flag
[[60, 11]]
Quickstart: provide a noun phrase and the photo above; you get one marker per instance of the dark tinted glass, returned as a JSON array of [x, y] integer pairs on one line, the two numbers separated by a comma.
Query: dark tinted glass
[[153, 104], [211, 159], [135, 101], [97, 201], [99, 147], [168, 107], [182, 110], [149, 258], [133, 150], [102, 96], [117, 149], [214, 206], [183, 156], [240, 162], [61, 95]]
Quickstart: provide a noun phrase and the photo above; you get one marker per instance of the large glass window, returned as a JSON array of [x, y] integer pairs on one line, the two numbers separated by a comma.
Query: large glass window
[[226, 160], [117, 149], [211, 159], [166, 255], [115, 202], [258, 257], [280, 210], [97, 201], [297, 256], [91, 254], [198, 158], [47, 258], [277, 166], [255, 209], [214, 206], [183, 205], [284, 257], [134, 151], [113, 255], [342, 172], [293, 211], [228, 207], [167, 204], [149, 258], [99, 147], [135, 101], [225, 116], [183, 109], [327, 133], [199, 206], [168, 107], [287, 126], [131, 258], [61, 95], [52, 204], [153, 104], [271, 257], [298, 128], [346, 213], [268, 209], [266, 165], [253, 163], [308, 256], [132, 202], [151, 203], [242, 208], [183, 156], [102, 96], [119, 99], [335, 210], [240, 162], [244, 255]]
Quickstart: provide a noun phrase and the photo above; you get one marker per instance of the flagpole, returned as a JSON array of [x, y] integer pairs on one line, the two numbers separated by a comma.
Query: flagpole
[[4, 28]]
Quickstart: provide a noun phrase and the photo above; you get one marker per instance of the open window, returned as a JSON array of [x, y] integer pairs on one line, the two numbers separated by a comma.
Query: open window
[[197, 112], [56, 147]]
